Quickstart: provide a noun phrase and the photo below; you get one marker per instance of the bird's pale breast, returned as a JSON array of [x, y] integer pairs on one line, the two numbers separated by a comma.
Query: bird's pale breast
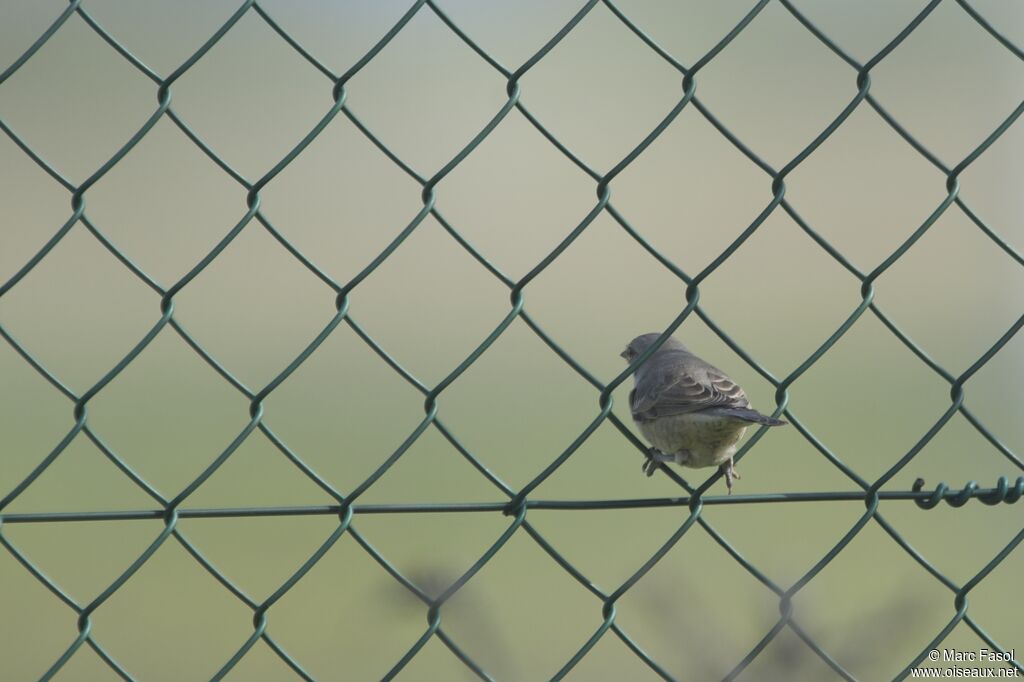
[[709, 439]]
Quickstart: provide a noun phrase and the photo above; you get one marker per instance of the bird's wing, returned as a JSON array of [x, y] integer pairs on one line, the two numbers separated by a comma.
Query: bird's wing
[[675, 388]]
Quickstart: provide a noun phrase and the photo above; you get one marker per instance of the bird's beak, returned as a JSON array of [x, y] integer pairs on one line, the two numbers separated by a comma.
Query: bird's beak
[[624, 354]]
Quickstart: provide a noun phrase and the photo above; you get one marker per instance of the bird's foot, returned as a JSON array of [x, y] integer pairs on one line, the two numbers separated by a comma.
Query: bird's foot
[[730, 473], [654, 458]]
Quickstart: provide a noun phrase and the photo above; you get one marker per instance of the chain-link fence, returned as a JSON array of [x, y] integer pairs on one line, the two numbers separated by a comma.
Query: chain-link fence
[[349, 505]]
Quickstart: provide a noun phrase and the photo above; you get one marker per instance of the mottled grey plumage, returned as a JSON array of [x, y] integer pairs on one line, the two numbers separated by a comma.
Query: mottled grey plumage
[[691, 412]]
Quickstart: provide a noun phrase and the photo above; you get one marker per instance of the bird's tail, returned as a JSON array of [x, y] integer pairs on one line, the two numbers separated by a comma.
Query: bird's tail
[[754, 416]]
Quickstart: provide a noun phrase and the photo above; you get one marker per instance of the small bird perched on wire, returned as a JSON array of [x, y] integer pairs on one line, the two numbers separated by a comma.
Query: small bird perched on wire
[[691, 412]]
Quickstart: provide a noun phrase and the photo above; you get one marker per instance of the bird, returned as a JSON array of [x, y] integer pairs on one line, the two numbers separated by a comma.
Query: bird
[[691, 412]]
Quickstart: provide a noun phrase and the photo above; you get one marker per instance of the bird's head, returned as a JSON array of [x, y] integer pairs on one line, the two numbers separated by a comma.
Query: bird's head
[[644, 341]]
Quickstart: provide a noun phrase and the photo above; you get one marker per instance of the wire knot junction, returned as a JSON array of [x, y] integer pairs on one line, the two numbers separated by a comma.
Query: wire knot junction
[[1003, 492]]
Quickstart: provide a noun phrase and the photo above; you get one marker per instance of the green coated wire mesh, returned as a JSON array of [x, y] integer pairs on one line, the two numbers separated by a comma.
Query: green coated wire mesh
[[518, 501]]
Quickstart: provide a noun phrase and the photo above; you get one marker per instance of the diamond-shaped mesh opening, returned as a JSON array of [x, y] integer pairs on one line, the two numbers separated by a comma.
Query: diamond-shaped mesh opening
[[375, 329]]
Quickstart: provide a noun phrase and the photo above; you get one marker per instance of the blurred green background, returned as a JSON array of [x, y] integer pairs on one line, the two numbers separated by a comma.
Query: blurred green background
[[600, 91]]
